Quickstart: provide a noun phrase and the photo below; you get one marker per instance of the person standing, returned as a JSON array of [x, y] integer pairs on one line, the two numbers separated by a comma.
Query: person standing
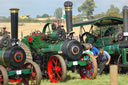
[[94, 50], [104, 60]]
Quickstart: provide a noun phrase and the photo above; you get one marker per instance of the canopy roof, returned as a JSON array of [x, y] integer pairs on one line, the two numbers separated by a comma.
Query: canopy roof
[[101, 21]]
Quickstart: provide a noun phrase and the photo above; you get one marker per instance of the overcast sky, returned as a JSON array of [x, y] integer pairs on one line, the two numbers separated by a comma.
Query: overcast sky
[[34, 7]]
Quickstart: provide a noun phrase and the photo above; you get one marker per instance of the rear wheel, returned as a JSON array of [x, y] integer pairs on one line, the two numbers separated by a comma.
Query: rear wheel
[[3, 76], [56, 69], [89, 71], [36, 75]]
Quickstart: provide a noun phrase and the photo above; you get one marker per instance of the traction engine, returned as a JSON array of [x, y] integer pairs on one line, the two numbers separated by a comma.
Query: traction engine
[[14, 66], [56, 51]]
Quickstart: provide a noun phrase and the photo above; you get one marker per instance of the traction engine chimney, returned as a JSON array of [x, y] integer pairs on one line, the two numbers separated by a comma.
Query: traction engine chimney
[[125, 21], [14, 24], [68, 12]]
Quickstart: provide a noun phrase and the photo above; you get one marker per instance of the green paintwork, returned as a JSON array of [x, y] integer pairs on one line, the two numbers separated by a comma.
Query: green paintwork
[[53, 47], [80, 63], [101, 21], [43, 46], [45, 28], [3, 60], [23, 71], [103, 41], [1, 52], [53, 35], [113, 49], [125, 56]]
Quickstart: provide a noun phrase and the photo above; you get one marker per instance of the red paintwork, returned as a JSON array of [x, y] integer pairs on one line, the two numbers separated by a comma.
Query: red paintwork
[[35, 34], [16, 81], [1, 79], [42, 37], [86, 72], [54, 69], [16, 58], [30, 39]]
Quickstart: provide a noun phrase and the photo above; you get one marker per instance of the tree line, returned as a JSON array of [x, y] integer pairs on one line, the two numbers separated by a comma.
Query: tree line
[[85, 10]]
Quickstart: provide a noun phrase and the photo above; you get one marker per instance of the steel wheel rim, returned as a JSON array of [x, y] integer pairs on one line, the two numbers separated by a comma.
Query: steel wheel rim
[[4, 76], [87, 71], [54, 69]]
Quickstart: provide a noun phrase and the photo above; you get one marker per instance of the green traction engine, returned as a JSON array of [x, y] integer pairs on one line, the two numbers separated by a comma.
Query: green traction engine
[[119, 49], [113, 40], [56, 51], [14, 66]]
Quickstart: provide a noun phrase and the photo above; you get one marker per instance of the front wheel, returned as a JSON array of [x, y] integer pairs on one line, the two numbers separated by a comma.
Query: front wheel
[[3, 76], [90, 70], [56, 69], [36, 75]]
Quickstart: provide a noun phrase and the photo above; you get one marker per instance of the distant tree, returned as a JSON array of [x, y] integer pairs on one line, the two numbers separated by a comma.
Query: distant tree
[[58, 13], [87, 8], [38, 16], [100, 15], [45, 15], [113, 11]]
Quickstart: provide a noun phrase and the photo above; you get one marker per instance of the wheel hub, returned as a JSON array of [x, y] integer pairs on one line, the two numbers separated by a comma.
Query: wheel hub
[[75, 50], [57, 69], [18, 56]]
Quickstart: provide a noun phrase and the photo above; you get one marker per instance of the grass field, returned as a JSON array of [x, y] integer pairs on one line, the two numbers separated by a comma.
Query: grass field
[[74, 79]]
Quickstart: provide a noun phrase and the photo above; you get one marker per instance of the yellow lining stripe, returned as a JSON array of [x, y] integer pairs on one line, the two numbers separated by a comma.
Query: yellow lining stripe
[[68, 8], [14, 10]]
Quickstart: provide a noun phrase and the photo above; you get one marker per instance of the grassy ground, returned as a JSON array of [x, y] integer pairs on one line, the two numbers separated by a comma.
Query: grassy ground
[[74, 79]]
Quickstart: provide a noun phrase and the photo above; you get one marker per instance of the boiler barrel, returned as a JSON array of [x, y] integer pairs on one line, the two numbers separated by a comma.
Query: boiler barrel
[[116, 48], [70, 49]]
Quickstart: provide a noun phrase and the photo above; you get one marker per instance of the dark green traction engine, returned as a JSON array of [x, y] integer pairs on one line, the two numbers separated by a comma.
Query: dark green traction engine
[[56, 51], [110, 37], [13, 64], [120, 48]]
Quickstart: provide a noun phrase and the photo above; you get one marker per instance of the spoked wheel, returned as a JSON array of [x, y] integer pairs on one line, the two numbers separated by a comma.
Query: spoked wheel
[[36, 75], [3, 76], [56, 69], [89, 71]]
